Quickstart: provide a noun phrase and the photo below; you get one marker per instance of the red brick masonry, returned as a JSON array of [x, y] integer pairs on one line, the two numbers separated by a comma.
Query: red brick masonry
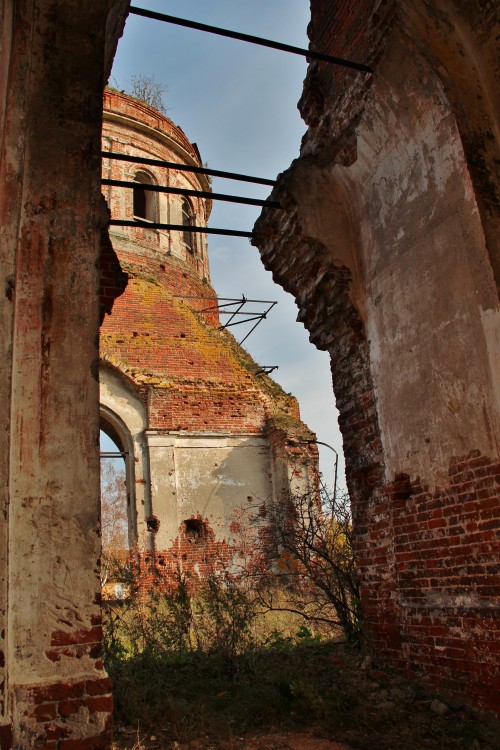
[[53, 706], [431, 562]]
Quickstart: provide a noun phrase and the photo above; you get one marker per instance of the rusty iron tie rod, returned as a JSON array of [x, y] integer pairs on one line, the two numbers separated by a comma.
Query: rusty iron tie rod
[[311, 54], [187, 168], [193, 193], [178, 227]]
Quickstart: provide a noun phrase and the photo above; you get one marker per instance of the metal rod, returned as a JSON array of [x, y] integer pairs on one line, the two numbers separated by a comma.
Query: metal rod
[[234, 300], [193, 193], [267, 369], [235, 312], [312, 55], [319, 442], [186, 168], [113, 454], [255, 316], [327, 445], [229, 312], [178, 228], [252, 329]]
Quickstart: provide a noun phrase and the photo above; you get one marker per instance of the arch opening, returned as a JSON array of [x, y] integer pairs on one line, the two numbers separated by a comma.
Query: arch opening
[[145, 201], [187, 223], [118, 507]]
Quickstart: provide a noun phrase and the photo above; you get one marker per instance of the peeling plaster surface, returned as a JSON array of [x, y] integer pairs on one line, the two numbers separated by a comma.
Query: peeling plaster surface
[[213, 477], [404, 220], [423, 236], [388, 242]]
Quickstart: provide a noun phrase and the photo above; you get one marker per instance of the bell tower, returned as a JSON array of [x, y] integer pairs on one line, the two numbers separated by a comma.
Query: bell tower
[[210, 434]]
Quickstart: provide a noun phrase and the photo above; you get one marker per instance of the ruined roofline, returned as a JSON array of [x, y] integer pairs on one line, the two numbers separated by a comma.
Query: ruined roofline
[[137, 115]]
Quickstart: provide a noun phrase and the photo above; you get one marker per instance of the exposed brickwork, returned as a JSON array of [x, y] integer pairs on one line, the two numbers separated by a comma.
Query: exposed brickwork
[[163, 333], [70, 715], [430, 560], [321, 289], [192, 556], [428, 556], [211, 418], [196, 376], [148, 116], [333, 96]]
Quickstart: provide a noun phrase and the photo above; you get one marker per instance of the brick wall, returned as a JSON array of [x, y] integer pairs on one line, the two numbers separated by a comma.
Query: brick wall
[[57, 708], [112, 280], [148, 116], [193, 557], [429, 560], [333, 96], [164, 334], [427, 550]]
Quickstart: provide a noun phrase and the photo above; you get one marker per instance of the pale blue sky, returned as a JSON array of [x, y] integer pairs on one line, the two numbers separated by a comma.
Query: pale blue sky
[[238, 102]]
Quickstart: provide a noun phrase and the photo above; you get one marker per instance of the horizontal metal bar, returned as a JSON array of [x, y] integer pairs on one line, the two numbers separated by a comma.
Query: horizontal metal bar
[[228, 299], [113, 454], [310, 54], [267, 369], [255, 313], [178, 228], [255, 316], [193, 193], [186, 168]]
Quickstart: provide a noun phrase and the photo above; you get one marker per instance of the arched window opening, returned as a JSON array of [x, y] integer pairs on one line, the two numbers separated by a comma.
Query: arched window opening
[[145, 201], [188, 221], [118, 533]]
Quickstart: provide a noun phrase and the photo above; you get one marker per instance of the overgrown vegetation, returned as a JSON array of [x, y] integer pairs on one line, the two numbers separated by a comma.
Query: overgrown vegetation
[[204, 671], [272, 642], [166, 650], [308, 538]]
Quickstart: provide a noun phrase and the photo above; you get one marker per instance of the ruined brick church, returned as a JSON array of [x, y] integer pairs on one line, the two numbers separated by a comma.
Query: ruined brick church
[[389, 243], [207, 436]]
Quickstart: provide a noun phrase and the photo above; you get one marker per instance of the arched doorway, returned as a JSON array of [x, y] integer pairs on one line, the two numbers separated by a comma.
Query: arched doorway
[[118, 507]]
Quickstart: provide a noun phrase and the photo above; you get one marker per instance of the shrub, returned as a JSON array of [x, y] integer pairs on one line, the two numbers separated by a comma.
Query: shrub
[[308, 542]]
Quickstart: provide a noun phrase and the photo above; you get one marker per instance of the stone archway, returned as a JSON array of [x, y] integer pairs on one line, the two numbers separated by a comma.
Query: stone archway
[[116, 430], [124, 416]]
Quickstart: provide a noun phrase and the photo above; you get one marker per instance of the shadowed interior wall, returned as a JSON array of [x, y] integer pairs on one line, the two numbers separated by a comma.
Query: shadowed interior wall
[[54, 58]]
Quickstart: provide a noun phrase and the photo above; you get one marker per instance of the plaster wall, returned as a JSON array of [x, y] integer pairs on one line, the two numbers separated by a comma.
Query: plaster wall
[[217, 478], [403, 218], [429, 284]]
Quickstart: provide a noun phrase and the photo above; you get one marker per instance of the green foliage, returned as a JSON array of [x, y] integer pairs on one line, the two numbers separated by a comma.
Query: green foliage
[[196, 665], [225, 611]]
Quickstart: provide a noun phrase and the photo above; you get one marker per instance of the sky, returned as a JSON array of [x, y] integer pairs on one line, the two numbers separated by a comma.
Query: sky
[[238, 103]]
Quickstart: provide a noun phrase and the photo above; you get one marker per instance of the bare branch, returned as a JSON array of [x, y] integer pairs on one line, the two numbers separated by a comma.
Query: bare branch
[[148, 90]]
